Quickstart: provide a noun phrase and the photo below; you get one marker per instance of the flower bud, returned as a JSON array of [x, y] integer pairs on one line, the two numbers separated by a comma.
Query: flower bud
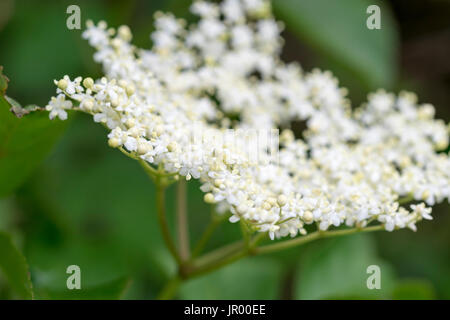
[[282, 200], [88, 83], [62, 84], [209, 198], [124, 33], [308, 217], [130, 122], [114, 142], [88, 105], [130, 89], [267, 206], [172, 146]]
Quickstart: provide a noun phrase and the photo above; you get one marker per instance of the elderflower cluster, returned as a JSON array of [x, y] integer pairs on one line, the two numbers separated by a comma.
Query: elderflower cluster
[[350, 167]]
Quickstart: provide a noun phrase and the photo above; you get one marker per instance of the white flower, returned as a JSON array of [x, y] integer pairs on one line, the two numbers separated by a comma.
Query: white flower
[[271, 228], [96, 34], [422, 211], [174, 106], [233, 10], [205, 9], [58, 106]]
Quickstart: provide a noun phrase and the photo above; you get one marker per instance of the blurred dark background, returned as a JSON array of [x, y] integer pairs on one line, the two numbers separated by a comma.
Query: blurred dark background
[[88, 205]]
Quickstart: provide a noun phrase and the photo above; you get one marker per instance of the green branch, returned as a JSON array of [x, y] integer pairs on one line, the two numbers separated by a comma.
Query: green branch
[[311, 237], [239, 250]]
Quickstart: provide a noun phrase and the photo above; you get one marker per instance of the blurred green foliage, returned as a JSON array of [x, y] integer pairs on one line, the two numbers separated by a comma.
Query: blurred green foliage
[[340, 264], [89, 205], [253, 278], [362, 59]]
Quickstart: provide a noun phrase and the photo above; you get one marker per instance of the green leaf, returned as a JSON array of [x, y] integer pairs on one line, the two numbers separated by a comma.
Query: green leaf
[[24, 143], [337, 30], [414, 289], [337, 269], [14, 267], [252, 278]]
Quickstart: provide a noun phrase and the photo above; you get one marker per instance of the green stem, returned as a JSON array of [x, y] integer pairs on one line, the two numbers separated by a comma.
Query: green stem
[[152, 172], [162, 219], [245, 233], [220, 263], [219, 253], [170, 289], [182, 221], [214, 264]]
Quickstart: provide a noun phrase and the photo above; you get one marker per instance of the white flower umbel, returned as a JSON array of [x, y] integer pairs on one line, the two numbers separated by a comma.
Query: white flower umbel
[[352, 167]]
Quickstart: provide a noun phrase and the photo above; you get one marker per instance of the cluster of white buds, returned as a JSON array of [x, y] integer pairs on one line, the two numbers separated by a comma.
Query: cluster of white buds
[[351, 167]]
